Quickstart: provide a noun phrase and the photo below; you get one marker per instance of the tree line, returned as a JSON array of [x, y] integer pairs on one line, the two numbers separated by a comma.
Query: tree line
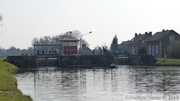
[[15, 51], [75, 34]]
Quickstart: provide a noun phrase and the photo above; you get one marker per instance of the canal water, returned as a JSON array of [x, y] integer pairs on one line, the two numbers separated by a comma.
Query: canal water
[[98, 84]]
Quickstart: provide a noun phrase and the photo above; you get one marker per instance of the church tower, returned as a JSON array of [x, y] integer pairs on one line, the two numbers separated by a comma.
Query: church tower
[[114, 44]]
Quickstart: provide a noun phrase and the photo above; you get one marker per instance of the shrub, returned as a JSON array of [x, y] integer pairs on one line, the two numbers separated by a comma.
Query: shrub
[[173, 50], [142, 51]]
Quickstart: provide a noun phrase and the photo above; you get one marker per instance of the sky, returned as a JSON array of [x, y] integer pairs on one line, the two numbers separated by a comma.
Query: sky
[[24, 20]]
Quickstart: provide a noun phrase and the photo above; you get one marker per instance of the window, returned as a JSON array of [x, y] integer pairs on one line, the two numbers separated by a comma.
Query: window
[[149, 49], [153, 49], [171, 38], [133, 50], [143, 41], [157, 49]]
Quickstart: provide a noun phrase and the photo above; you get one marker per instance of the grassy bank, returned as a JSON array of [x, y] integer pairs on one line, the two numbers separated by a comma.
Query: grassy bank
[[168, 62], [8, 84]]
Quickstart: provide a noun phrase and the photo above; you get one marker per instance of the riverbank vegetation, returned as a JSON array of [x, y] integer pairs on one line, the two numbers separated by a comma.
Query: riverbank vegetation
[[8, 84], [167, 62]]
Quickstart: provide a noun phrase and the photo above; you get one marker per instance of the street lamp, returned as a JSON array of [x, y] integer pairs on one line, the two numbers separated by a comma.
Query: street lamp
[[81, 40]]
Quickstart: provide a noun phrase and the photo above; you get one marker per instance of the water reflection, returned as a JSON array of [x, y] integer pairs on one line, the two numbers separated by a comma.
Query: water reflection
[[70, 84]]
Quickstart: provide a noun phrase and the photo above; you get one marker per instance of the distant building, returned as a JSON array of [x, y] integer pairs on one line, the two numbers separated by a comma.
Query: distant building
[[158, 43], [98, 51], [66, 47], [133, 45], [70, 46], [86, 50], [154, 44]]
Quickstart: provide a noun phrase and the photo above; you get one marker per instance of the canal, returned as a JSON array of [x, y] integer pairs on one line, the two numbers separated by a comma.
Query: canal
[[98, 84]]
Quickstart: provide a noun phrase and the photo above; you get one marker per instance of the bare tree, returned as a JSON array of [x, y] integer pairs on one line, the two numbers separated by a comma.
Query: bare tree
[[35, 41], [75, 34]]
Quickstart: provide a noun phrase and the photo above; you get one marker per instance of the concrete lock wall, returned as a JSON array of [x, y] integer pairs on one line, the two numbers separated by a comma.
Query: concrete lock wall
[[79, 61], [85, 60], [23, 61]]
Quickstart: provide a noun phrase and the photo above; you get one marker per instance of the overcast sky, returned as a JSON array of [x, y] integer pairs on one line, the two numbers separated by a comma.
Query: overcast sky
[[25, 19]]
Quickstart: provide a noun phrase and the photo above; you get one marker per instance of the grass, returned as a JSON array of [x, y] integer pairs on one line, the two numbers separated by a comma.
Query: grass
[[168, 62], [8, 84]]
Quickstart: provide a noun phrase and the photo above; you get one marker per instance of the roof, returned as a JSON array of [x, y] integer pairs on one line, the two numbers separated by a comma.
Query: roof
[[69, 40], [137, 38], [159, 35], [149, 37]]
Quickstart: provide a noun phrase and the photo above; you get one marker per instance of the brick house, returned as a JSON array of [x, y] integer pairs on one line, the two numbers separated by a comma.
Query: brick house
[[154, 44], [158, 43], [132, 46]]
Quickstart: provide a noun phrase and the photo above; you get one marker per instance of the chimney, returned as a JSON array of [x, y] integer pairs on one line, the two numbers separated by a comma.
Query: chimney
[[163, 30], [150, 33], [136, 35]]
